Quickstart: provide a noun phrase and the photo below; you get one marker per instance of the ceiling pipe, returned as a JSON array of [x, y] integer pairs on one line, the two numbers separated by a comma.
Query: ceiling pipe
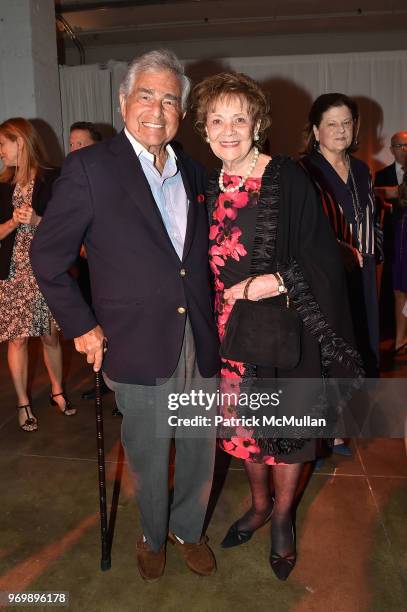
[[68, 29], [98, 6]]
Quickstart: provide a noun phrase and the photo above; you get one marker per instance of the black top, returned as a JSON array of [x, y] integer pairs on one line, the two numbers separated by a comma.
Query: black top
[[41, 195], [342, 199]]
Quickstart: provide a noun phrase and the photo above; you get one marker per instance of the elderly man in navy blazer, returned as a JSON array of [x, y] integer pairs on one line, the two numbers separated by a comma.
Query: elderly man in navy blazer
[[136, 203]]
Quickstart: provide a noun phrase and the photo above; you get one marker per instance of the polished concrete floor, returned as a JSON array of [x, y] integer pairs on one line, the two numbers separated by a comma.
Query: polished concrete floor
[[351, 523]]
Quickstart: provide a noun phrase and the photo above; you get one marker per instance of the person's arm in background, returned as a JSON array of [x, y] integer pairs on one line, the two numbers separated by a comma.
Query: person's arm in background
[[8, 227]]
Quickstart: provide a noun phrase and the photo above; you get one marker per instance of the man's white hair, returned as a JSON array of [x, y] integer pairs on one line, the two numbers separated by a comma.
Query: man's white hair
[[155, 61]]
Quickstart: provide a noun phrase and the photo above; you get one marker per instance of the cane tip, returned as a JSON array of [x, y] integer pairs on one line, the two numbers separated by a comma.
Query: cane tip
[[105, 564]]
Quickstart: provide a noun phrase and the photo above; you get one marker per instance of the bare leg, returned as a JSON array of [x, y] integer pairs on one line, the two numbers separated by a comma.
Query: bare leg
[[401, 321], [53, 362], [17, 357]]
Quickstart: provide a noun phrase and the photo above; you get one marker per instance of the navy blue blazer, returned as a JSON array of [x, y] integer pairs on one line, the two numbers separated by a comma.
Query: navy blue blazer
[[139, 285]]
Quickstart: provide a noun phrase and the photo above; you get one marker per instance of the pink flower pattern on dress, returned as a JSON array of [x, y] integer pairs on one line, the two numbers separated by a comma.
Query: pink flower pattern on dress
[[225, 236]]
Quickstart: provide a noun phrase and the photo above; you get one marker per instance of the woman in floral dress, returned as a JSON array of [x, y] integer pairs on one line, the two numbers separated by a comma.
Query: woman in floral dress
[[265, 212], [25, 188]]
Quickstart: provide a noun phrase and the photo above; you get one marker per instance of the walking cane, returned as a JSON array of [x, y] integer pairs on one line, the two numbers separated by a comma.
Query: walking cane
[[105, 562]]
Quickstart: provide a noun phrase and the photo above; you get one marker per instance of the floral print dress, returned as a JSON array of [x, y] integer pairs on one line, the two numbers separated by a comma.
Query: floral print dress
[[232, 232], [24, 312]]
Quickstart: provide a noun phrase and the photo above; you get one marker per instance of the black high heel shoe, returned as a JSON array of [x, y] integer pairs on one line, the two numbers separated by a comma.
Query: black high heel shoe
[[68, 406], [30, 423], [282, 566], [236, 536]]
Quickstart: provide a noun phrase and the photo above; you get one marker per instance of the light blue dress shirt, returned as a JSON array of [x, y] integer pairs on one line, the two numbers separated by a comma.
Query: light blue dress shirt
[[168, 191]]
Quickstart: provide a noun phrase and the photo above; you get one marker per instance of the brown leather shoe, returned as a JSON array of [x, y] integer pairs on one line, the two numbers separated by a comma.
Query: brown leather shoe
[[150, 564], [198, 556]]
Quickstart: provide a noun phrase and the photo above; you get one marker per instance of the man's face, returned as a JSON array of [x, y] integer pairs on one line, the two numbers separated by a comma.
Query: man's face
[[152, 111], [399, 148], [78, 139]]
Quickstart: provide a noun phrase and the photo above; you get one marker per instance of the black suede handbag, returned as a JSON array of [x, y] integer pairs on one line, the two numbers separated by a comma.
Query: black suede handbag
[[264, 333]]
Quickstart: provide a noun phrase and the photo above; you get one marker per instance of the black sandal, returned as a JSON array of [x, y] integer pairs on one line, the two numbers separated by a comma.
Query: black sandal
[[29, 420], [68, 405]]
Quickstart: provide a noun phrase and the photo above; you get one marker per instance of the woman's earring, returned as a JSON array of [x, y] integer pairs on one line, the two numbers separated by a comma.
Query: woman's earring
[[207, 139], [316, 144], [256, 136]]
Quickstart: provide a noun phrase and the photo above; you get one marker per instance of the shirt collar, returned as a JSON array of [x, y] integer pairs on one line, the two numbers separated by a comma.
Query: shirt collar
[[140, 150]]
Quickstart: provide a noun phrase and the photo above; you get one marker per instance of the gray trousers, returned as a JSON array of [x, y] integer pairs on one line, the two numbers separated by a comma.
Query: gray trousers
[[147, 437]]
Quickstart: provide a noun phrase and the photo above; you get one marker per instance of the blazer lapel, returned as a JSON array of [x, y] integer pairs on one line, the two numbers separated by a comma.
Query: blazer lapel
[[191, 218], [131, 177]]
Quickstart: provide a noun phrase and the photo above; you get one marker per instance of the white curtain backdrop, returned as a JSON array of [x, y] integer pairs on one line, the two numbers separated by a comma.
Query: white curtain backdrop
[[377, 80], [86, 95]]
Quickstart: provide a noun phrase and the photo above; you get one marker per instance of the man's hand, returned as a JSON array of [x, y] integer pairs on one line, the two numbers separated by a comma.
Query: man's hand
[[92, 344], [351, 257]]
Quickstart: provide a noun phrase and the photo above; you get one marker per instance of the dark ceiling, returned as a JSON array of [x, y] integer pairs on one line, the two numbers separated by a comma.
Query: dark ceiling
[[118, 22]]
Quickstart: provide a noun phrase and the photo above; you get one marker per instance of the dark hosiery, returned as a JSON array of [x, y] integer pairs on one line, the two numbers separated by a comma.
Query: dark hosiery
[[286, 479], [262, 503]]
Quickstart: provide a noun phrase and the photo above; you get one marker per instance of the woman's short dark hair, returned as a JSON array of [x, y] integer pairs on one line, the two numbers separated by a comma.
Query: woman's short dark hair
[[319, 107], [226, 84], [90, 127]]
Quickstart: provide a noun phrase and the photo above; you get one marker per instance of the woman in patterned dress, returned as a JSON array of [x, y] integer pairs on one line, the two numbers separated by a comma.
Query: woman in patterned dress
[[26, 182], [264, 212]]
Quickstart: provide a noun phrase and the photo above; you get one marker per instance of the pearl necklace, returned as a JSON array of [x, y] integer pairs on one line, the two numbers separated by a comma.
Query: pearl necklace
[[243, 179]]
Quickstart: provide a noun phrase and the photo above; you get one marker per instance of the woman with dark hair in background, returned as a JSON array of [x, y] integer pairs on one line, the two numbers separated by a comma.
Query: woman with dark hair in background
[[26, 183], [345, 187], [269, 239]]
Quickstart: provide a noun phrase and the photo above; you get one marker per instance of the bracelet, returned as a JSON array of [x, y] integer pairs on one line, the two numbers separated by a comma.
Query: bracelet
[[246, 287], [281, 287]]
